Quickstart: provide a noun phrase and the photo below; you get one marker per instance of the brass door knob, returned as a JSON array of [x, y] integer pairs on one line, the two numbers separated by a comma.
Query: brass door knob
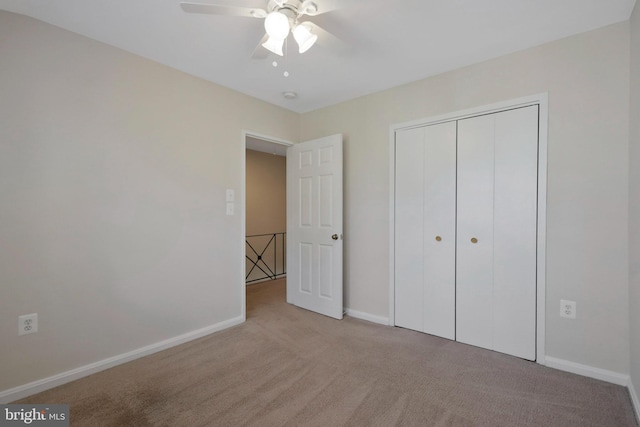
[[334, 237], [474, 240], [438, 238]]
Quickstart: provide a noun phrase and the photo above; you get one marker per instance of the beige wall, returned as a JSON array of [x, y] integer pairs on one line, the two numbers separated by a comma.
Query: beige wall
[[634, 194], [113, 171], [587, 78], [266, 193]]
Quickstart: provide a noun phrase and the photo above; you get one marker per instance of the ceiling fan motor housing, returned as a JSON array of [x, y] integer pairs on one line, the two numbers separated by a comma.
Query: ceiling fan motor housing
[[292, 8]]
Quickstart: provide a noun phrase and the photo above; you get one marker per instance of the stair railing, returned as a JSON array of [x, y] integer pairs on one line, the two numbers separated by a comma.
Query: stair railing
[[265, 255]]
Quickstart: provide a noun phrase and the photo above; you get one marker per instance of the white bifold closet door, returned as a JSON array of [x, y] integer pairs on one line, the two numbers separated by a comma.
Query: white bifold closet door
[[496, 231], [465, 230], [425, 229]]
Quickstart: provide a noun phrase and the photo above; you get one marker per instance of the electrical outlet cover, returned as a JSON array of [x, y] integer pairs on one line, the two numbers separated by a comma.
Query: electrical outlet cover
[[567, 309], [27, 324]]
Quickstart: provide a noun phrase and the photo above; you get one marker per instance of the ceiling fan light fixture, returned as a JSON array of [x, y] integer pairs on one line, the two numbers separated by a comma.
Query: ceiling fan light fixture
[[277, 25], [274, 45], [304, 37]]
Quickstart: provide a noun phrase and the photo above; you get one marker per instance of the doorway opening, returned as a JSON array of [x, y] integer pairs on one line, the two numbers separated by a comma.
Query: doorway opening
[[265, 220]]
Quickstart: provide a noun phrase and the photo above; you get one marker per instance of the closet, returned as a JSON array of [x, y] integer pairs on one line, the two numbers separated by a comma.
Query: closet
[[466, 230]]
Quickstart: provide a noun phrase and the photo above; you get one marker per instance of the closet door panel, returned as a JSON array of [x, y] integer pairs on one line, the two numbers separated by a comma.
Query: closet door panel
[[439, 229], [409, 265], [474, 259], [515, 219], [466, 230]]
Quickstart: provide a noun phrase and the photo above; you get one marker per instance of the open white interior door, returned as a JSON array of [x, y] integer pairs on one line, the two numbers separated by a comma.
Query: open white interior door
[[314, 225]]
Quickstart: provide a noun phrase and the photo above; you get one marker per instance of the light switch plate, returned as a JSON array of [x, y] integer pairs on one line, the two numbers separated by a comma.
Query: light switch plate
[[231, 195]]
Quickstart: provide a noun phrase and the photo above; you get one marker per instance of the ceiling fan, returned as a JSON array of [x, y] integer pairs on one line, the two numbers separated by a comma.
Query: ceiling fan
[[281, 17]]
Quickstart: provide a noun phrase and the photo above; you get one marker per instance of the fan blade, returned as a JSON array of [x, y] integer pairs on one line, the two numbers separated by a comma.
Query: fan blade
[[260, 52], [327, 39], [214, 9]]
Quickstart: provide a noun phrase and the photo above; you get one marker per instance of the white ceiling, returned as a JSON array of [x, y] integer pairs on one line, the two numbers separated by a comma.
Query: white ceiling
[[388, 42]]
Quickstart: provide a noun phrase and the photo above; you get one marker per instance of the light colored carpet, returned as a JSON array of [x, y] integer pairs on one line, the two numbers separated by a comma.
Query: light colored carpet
[[289, 367]]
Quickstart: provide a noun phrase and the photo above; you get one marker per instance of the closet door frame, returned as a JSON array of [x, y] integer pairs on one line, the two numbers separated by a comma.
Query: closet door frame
[[542, 101]]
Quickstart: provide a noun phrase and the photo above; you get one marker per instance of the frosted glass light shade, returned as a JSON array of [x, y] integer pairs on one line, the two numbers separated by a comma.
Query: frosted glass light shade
[[304, 37], [277, 25], [274, 45]]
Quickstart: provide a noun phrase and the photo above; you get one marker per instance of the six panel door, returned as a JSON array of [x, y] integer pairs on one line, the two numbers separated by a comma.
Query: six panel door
[[314, 226]]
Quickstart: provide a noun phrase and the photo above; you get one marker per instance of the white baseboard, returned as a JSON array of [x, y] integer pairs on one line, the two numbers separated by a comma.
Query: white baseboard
[[38, 386], [588, 371], [366, 316], [634, 399]]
